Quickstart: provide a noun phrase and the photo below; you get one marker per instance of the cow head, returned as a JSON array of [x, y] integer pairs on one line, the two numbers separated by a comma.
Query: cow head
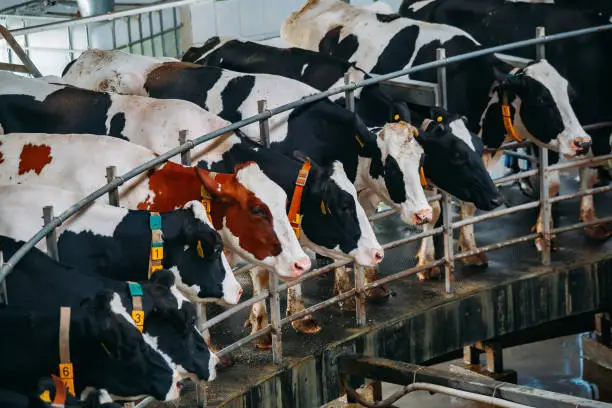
[[119, 358], [396, 175], [171, 325], [201, 268], [540, 107], [453, 161], [249, 212], [333, 221]]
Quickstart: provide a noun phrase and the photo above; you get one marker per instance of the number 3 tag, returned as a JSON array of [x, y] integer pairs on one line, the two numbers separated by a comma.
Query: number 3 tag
[[138, 316]]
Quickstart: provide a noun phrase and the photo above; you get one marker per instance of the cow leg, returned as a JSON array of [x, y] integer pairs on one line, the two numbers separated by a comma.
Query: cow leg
[[588, 178], [295, 304], [258, 318], [427, 251], [342, 284], [369, 201], [467, 240], [553, 190]]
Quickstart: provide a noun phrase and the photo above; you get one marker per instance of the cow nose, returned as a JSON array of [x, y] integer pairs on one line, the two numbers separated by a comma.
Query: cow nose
[[423, 216], [379, 254], [581, 145], [300, 266]]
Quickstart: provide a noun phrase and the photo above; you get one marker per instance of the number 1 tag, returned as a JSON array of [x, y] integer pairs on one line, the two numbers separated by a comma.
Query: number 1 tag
[[67, 376]]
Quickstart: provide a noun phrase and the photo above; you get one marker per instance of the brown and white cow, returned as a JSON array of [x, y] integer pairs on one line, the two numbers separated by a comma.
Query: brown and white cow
[[247, 208]]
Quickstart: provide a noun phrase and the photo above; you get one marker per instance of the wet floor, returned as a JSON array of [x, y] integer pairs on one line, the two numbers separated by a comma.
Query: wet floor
[[553, 365]]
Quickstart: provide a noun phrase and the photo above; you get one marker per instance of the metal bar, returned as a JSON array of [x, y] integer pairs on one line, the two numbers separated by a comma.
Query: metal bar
[[413, 238], [14, 68], [545, 207], [264, 126], [349, 95], [591, 161], [14, 45], [275, 317], [114, 34], [161, 30], [540, 48], [129, 33], [177, 40], [498, 245], [244, 340], [3, 291], [561, 230], [516, 176], [185, 156], [495, 214], [52, 235], [70, 44], [521, 156], [397, 372], [88, 39], [360, 297], [447, 208], [235, 309], [312, 274], [113, 195], [318, 306], [590, 191], [403, 274], [153, 48], [139, 17]]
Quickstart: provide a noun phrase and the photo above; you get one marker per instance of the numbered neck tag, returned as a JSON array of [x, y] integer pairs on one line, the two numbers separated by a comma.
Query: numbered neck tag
[[66, 370], [156, 257], [137, 313], [206, 202]]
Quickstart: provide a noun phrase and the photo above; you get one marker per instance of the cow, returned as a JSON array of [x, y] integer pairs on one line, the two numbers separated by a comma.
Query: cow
[[112, 353], [486, 21], [382, 43], [319, 71], [115, 242], [168, 325], [51, 390], [246, 208]]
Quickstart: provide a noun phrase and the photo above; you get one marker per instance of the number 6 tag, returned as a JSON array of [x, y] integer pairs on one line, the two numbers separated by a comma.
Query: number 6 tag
[[67, 376]]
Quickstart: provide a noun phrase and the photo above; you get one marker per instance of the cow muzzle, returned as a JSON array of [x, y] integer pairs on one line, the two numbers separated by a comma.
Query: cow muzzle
[[422, 216], [299, 267], [581, 145]]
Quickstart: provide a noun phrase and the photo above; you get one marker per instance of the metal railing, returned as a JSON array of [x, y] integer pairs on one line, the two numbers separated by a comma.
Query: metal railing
[[448, 261]]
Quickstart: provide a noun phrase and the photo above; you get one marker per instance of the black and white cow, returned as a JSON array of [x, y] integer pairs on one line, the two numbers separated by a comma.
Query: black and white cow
[[383, 43], [52, 391], [169, 318], [317, 70], [111, 354], [116, 242]]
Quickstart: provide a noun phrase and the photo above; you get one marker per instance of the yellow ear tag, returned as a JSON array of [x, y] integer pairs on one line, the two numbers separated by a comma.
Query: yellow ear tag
[[45, 396], [67, 376], [200, 250], [439, 119], [396, 117], [323, 208], [359, 141]]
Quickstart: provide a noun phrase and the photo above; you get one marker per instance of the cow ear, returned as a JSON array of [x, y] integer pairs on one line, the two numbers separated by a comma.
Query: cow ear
[[213, 187], [163, 277]]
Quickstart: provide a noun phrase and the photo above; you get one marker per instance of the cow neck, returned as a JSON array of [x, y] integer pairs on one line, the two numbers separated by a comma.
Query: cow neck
[[294, 215], [424, 182], [171, 187], [138, 314], [156, 255]]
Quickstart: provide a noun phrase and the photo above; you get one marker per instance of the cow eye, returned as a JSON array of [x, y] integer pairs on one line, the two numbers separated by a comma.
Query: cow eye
[[258, 211]]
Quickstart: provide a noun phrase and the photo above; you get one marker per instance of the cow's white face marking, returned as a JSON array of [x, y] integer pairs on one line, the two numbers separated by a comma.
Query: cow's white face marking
[[367, 245], [416, 6], [461, 131]]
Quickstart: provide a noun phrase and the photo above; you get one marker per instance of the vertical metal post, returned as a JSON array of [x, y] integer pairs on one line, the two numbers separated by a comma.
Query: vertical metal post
[[445, 201], [139, 17], [114, 33], [129, 33], [52, 236], [545, 206], [161, 32], [264, 126], [153, 48], [201, 389], [275, 314], [113, 195], [87, 36], [177, 40], [185, 156], [349, 96], [540, 48], [3, 292], [70, 44]]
